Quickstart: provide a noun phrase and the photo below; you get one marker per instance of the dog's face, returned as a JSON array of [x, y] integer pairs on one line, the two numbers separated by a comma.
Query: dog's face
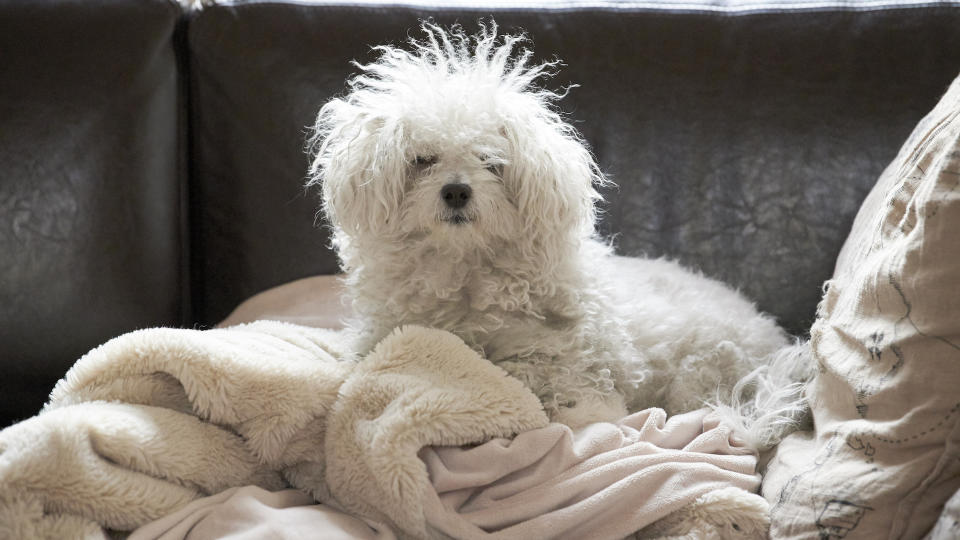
[[450, 144], [457, 187]]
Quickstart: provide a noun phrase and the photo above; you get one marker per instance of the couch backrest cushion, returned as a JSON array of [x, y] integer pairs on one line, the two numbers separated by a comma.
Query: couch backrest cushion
[[742, 142], [91, 113]]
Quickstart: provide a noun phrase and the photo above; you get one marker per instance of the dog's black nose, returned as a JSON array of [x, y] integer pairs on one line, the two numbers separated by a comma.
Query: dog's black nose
[[456, 195]]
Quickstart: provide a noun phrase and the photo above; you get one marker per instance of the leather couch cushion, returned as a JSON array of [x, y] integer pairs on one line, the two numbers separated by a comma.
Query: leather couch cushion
[[90, 154]]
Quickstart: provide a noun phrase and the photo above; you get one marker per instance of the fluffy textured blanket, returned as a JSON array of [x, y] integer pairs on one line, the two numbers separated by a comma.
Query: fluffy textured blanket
[[155, 419]]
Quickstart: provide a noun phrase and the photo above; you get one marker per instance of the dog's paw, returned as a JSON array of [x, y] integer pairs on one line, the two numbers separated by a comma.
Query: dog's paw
[[590, 409]]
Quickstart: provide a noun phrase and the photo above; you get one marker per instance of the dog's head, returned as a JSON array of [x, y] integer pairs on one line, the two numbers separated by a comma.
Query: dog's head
[[450, 141]]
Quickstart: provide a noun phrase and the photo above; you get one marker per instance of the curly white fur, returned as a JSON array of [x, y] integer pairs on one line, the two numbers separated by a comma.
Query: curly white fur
[[516, 271]]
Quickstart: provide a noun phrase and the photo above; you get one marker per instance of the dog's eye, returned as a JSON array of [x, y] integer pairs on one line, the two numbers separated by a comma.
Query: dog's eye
[[425, 161], [492, 166]]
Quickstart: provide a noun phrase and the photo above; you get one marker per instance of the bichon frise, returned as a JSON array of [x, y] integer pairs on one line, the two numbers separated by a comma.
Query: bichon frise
[[460, 199]]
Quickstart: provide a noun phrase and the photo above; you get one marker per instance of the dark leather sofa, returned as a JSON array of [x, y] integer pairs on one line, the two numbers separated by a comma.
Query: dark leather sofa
[[152, 155]]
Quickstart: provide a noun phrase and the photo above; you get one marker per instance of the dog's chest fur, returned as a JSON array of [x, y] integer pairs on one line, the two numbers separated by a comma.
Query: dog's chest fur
[[503, 312]]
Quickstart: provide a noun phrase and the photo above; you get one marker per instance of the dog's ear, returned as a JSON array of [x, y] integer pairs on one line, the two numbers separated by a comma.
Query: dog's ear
[[551, 173], [358, 162]]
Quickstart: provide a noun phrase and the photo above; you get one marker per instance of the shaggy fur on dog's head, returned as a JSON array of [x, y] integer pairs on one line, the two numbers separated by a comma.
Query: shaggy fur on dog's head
[[454, 109]]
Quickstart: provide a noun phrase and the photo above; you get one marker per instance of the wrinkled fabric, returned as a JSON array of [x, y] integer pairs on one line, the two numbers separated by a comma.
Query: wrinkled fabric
[[252, 513], [605, 481]]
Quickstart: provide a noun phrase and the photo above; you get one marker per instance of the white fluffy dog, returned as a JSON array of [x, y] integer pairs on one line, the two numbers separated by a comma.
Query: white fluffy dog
[[460, 199]]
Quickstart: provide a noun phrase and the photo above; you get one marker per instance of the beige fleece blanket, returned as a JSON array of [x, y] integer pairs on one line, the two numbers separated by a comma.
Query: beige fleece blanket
[[155, 419]]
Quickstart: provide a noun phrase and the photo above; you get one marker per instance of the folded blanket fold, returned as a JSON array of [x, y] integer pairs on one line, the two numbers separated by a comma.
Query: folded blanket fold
[[121, 465], [416, 389], [420, 435], [265, 380]]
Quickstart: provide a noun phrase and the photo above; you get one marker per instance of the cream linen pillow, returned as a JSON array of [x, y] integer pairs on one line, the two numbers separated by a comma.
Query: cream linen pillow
[[883, 457]]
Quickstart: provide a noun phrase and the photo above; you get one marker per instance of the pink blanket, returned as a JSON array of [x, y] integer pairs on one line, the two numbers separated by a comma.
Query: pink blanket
[[606, 481]]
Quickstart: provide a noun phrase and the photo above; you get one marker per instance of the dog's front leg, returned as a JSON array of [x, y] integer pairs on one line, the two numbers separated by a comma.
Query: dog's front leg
[[590, 408], [570, 398]]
